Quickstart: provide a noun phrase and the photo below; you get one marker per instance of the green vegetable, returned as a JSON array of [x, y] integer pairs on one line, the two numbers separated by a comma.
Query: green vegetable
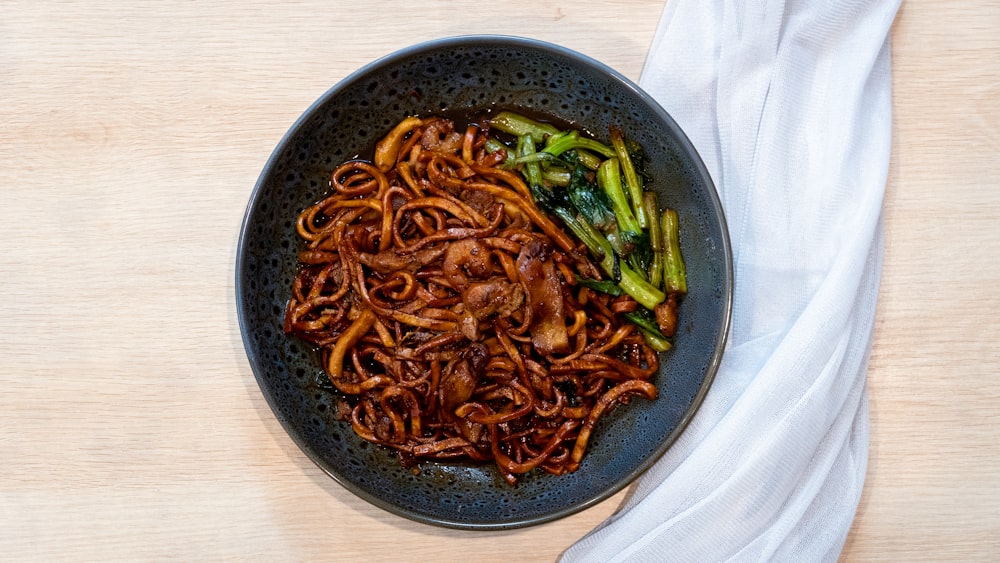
[[642, 318], [632, 181], [657, 343], [555, 201], [493, 145], [533, 170], [573, 141], [591, 202], [655, 238], [519, 125], [582, 157], [609, 179], [556, 176], [608, 211], [527, 157], [636, 247], [631, 282], [636, 285], [604, 286], [674, 271]]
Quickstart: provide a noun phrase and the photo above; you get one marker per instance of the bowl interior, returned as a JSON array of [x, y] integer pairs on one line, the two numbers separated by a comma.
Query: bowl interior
[[460, 74]]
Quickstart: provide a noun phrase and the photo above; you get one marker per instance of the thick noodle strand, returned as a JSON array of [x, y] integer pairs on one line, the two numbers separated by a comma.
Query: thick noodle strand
[[445, 305]]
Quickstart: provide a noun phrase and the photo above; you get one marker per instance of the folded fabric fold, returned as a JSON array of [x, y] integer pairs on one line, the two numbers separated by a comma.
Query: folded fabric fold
[[789, 105]]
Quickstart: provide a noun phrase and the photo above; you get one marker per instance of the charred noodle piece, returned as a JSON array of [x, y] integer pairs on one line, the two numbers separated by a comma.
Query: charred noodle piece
[[387, 150], [335, 363], [446, 306], [634, 386]]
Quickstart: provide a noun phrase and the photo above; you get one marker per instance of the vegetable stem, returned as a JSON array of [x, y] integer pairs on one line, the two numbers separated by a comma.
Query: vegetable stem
[[604, 286], [609, 179], [632, 181], [584, 231], [631, 282], [637, 286], [674, 270], [655, 239], [519, 125], [603, 214], [649, 330], [573, 140], [533, 170], [493, 145]]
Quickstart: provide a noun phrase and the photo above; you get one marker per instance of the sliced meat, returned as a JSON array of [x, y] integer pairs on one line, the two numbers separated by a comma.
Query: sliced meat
[[496, 296], [460, 377], [548, 321], [479, 200], [666, 315], [440, 135], [389, 261], [466, 258]]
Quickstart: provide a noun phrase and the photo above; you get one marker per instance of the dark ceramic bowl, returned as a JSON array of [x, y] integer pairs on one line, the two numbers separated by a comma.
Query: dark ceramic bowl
[[458, 74]]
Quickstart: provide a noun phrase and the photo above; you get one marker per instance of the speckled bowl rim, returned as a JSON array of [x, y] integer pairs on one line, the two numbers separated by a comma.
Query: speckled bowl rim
[[681, 138]]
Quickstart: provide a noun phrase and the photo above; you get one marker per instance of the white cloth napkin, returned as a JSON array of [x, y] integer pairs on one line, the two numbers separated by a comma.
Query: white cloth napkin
[[788, 102]]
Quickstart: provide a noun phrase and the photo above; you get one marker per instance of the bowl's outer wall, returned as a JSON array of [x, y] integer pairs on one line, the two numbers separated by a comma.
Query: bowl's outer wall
[[456, 74]]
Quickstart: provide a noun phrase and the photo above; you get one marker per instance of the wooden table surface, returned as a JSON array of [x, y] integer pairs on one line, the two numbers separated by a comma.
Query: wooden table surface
[[131, 426]]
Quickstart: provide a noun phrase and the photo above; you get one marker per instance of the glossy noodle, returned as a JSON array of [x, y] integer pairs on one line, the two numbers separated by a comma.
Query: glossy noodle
[[448, 313]]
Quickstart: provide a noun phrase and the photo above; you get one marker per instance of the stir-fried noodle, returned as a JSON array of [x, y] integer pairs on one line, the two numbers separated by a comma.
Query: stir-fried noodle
[[448, 313]]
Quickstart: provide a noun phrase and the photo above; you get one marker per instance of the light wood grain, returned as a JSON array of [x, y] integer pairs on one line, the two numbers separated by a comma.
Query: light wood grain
[[131, 426], [933, 487]]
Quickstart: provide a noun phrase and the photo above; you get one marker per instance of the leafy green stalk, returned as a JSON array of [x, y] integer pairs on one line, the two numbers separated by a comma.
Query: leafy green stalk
[[556, 176], [634, 284], [628, 279], [556, 202], [604, 286], [530, 156], [658, 343], [594, 204], [532, 169], [650, 331], [631, 282], [609, 179], [519, 125], [586, 158], [632, 181], [494, 145], [586, 232], [674, 270], [591, 201], [655, 239], [599, 213], [638, 250], [574, 141]]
